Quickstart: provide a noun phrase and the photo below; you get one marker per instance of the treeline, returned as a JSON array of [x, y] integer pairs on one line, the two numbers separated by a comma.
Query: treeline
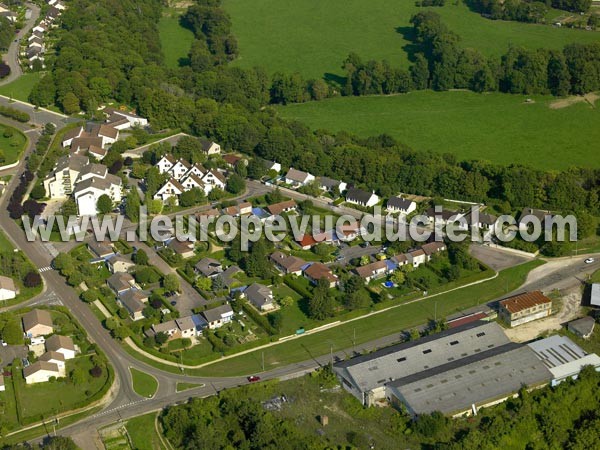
[[518, 10], [7, 33], [574, 70], [14, 114]]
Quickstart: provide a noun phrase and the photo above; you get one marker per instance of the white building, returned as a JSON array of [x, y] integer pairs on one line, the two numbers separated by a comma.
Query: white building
[[210, 147], [40, 372], [165, 163], [61, 344], [116, 117], [400, 205], [8, 289], [217, 317], [89, 191], [298, 178], [171, 189], [362, 198], [61, 181]]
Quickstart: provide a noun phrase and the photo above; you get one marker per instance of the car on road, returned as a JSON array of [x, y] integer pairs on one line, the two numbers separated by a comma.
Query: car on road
[[173, 303], [589, 260], [253, 378], [339, 258], [365, 244]]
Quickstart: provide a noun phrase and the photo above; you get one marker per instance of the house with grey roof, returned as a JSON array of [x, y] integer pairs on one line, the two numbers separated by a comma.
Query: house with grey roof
[[260, 296], [361, 198], [400, 205], [134, 301], [219, 316], [583, 327], [208, 267]]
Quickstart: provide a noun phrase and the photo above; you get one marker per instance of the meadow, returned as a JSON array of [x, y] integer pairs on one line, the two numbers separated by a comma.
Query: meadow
[[313, 37], [21, 87], [500, 128], [175, 40]]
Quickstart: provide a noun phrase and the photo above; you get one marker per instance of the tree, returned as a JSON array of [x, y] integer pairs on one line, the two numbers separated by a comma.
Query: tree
[[38, 192], [203, 283], [171, 282], [235, 184], [78, 376], [89, 296], [64, 264], [32, 279], [398, 277], [160, 338], [70, 104], [358, 299], [364, 260], [256, 168], [140, 257], [105, 204], [193, 197], [96, 371]]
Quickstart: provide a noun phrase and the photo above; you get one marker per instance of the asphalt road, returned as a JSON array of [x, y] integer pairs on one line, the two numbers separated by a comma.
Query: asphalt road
[[11, 57]]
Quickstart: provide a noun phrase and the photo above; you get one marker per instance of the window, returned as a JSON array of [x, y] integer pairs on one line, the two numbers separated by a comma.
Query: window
[[426, 351], [453, 342]]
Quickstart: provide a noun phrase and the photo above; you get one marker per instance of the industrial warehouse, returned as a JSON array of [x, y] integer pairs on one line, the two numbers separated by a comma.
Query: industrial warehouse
[[460, 370]]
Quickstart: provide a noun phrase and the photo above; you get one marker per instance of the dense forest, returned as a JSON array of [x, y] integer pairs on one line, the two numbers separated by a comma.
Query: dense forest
[[533, 420], [110, 49]]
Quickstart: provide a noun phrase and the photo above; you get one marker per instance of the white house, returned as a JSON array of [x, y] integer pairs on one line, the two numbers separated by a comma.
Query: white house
[[37, 322], [132, 119], [8, 289], [417, 257], [400, 205], [372, 271], [171, 188], [331, 185], [55, 358], [192, 181], [214, 178], [362, 198], [133, 301], [40, 372], [61, 344], [89, 191], [272, 165], [179, 169], [166, 163], [298, 178], [210, 148], [217, 317], [197, 169], [61, 181]]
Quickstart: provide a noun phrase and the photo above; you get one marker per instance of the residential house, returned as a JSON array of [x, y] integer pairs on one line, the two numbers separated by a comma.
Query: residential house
[[400, 205], [208, 267], [210, 147], [240, 209], [260, 296], [68, 137], [231, 160], [119, 263], [228, 276], [208, 214], [372, 271], [171, 189], [583, 327], [480, 220], [37, 322], [55, 358], [445, 216], [134, 302], [213, 178], [297, 178], [307, 241], [319, 271], [193, 181], [120, 282], [348, 232], [431, 248], [219, 316], [287, 264], [281, 207], [179, 169], [88, 192], [102, 249], [183, 248], [400, 260], [8, 289], [169, 328], [116, 115], [529, 214], [96, 152], [362, 198], [166, 163], [330, 185], [523, 308], [417, 257], [187, 327], [272, 165], [61, 181], [61, 344], [197, 169], [40, 372]]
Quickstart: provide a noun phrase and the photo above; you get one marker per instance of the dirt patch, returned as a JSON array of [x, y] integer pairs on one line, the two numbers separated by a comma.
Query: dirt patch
[[572, 100]]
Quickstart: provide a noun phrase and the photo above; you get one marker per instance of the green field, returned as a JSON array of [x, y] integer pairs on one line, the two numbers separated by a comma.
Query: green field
[[143, 434], [313, 37], [501, 128], [143, 384], [11, 147], [174, 39], [369, 328], [21, 87]]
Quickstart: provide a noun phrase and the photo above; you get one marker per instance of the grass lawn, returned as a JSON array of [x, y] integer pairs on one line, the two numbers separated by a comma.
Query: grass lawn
[[174, 39], [5, 245], [21, 87], [11, 147], [143, 384], [313, 37], [469, 125], [393, 321], [143, 434], [185, 386], [46, 399]]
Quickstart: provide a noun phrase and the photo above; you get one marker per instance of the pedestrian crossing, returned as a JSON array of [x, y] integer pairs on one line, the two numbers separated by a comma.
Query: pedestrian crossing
[[45, 269]]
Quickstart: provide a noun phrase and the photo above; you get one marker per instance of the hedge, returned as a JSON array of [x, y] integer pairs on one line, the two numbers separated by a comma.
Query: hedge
[[15, 114]]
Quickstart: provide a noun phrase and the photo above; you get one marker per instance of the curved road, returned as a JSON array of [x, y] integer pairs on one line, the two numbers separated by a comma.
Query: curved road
[[11, 57]]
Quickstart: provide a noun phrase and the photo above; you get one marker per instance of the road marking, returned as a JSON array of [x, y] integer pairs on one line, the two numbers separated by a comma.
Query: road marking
[[45, 269], [127, 405]]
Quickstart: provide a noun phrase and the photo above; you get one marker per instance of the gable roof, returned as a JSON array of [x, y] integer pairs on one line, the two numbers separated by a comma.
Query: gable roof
[[39, 366], [207, 144], [289, 263], [132, 300], [209, 267], [217, 313], [278, 208], [432, 247], [56, 342], [51, 354], [524, 301], [37, 317], [399, 203], [318, 270], [370, 269], [120, 281], [101, 248], [358, 195], [259, 294], [7, 283]]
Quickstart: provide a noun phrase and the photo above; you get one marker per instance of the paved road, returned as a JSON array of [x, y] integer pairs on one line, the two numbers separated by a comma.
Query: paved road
[[11, 57]]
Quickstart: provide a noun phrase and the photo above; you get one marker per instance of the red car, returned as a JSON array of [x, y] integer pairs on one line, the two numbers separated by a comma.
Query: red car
[[253, 379]]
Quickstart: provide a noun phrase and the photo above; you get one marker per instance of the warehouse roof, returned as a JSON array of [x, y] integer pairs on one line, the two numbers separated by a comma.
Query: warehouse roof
[[524, 301], [477, 379]]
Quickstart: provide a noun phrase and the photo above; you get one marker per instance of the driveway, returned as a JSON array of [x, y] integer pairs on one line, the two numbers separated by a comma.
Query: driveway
[[348, 253]]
